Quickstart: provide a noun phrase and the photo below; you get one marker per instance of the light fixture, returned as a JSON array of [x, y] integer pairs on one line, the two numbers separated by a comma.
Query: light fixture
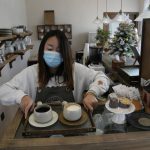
[[97, 19], [146, 11], [106, 19], [120, 17]]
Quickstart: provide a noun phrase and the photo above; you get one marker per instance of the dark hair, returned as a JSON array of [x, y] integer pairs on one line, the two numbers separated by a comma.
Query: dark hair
[[66, 67]]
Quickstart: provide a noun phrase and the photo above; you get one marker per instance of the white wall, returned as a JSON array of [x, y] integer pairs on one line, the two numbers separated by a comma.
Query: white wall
[[141, 3], [79, 13], [12, 13]]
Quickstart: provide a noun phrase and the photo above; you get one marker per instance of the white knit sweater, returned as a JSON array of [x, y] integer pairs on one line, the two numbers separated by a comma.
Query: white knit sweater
[[25, 83]]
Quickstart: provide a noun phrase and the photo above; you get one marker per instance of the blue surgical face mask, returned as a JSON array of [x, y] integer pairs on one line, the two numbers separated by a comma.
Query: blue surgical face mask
[[52, 58]]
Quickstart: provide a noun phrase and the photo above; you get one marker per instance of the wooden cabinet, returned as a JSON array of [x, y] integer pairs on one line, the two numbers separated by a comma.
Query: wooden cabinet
[[43, 29]]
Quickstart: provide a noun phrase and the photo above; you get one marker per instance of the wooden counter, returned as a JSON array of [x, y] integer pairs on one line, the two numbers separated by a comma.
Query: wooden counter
[[117, 74], [120, 141]]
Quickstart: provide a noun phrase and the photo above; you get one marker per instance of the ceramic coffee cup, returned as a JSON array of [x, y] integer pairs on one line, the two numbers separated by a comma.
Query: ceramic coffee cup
[[72, 111], [42, 113]]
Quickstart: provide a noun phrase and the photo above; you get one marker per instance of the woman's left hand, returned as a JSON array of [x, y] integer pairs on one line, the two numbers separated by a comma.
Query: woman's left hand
[[90, 102]]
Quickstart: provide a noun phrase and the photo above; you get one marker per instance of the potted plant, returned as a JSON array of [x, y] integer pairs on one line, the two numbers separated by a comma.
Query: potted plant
[[95, 53], [102, 37]]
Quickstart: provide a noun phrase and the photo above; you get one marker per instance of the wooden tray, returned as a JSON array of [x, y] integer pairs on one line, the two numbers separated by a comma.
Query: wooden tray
[[81, 121], [80, 127]]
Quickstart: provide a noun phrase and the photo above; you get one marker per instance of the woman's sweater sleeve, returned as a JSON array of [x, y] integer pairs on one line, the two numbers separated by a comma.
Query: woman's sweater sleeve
[[20, 85], [100, 83], [95, 81]]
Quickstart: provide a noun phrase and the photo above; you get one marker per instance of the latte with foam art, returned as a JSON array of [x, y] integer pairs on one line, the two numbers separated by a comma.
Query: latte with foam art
[[72, 111]]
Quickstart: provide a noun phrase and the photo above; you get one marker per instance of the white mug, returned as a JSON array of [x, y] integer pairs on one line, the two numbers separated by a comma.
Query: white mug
[[42, 113], [72, 111]]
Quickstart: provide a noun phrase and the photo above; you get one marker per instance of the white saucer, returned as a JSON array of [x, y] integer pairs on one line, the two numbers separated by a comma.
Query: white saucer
[[120, 110], [41, 125]]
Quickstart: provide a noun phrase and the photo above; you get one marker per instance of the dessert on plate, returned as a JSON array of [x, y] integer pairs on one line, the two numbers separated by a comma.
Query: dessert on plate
[[124, 102], [113, 100]]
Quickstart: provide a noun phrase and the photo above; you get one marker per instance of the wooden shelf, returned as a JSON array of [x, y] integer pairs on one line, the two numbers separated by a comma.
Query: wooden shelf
[[13, 56], [14, 36], [9, 60], [22, 52], [23, 34], [6, 38], [30, 46]]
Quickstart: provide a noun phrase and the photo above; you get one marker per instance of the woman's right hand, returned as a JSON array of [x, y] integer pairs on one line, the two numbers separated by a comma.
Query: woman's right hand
[[90, 101], [26, 105]]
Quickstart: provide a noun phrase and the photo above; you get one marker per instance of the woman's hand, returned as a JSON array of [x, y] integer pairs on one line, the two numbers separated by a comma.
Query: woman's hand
[[26, 105], [90, 102]]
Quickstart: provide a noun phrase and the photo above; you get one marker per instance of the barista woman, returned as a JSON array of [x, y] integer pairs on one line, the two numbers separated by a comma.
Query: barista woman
[[55, 77]]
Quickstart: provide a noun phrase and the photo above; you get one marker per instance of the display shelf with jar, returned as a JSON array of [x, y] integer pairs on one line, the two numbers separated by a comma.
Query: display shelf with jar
[[12, 61], [13, 45], [43, 29]]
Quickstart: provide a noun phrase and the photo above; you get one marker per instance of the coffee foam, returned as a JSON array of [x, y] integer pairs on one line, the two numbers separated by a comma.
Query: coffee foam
[[73, 108]]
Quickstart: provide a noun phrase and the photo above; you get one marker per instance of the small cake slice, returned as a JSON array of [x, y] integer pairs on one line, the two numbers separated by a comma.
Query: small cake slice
[[113, 100], [124, 102]]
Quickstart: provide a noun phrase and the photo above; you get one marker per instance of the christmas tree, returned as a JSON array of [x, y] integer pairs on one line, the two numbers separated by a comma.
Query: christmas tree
[[123, 39]]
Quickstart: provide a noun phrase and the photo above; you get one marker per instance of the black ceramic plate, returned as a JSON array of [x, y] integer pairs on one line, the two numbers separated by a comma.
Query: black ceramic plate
[[134, 117]]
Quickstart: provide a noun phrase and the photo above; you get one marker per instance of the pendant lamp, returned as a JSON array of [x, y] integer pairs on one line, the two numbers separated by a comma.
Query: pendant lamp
[[120, 17], [106, 19], [97, 19]]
